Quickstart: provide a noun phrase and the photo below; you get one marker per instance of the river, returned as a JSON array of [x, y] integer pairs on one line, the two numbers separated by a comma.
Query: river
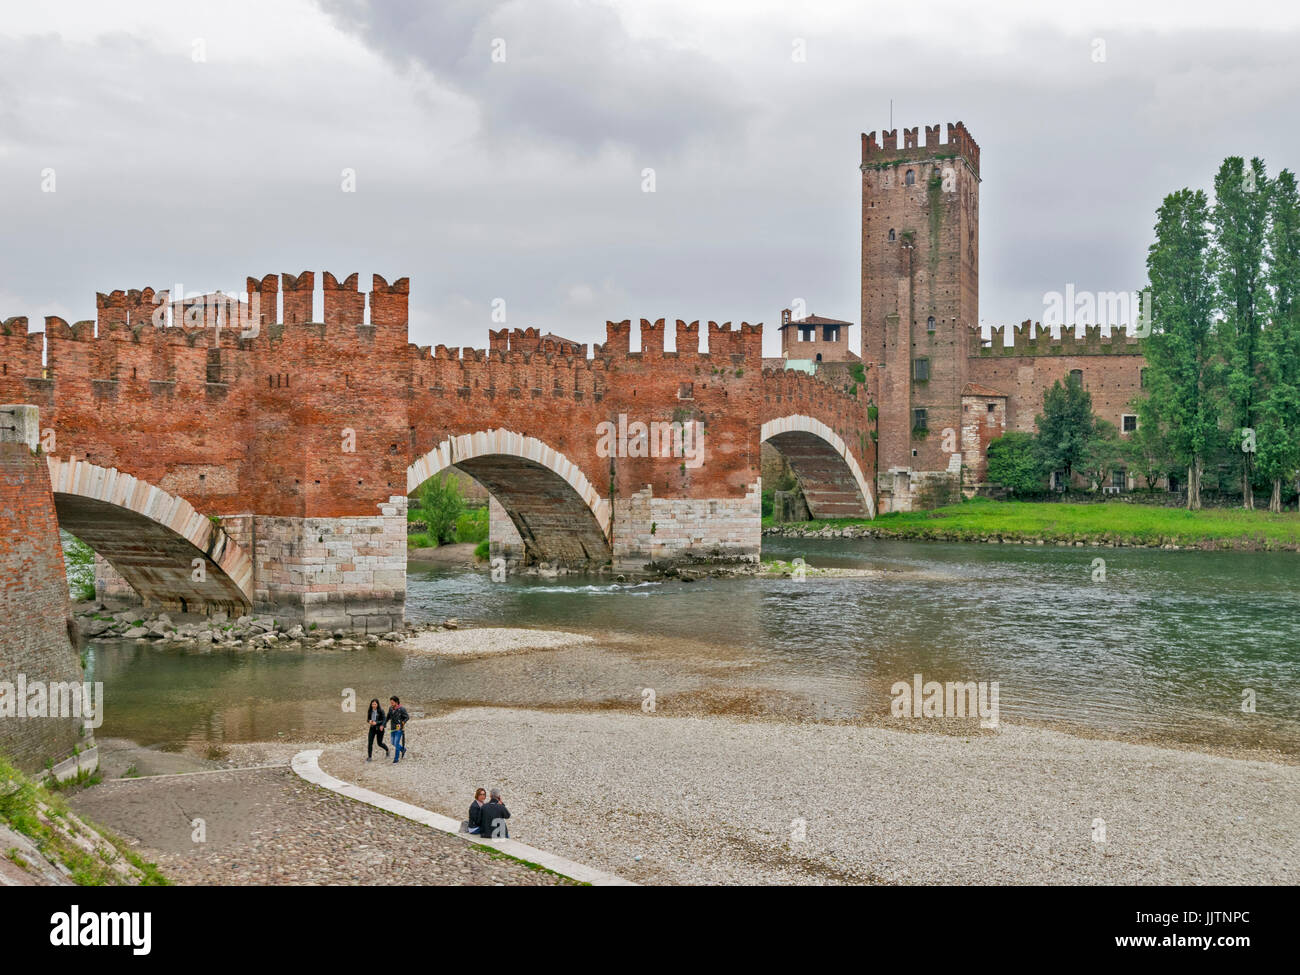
[[1164, 648]]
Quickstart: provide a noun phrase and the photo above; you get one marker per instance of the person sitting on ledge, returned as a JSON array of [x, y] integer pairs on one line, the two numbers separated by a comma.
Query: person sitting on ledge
[[493, 818], [475, 821]]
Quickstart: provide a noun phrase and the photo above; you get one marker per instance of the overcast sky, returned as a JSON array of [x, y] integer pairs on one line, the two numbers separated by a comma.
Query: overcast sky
[[200, 143]]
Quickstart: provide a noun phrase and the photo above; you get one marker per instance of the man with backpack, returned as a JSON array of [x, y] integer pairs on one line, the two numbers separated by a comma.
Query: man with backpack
[[397, 718]]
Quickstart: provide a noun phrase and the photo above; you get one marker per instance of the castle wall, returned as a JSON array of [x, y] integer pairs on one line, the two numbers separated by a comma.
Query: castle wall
[[1111, 366]]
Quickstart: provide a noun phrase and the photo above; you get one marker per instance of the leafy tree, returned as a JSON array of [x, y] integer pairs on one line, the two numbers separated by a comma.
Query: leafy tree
[[440, 503], [1146, 452], [1104, 453], [1278, 434], [1239, 227], [79, 560], [1013, 463], [1180, 364], [1065, 426]]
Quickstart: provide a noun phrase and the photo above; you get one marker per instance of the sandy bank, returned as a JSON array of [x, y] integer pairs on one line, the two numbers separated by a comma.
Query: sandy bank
[[715, 800], [489, 640]]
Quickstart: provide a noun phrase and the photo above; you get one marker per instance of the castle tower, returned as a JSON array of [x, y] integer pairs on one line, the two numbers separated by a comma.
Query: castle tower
[[920, 296]]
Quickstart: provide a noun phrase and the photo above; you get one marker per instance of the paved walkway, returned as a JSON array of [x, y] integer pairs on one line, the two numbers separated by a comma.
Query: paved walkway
[[269, 826], [305, 764]]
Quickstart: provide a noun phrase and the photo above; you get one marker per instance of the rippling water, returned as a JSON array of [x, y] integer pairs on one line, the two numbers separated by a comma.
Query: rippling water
[[1163, 648]]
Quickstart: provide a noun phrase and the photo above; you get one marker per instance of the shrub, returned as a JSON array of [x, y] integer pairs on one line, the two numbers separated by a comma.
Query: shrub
[[483, 550], [440, 504], [79, 559], [472, 526]]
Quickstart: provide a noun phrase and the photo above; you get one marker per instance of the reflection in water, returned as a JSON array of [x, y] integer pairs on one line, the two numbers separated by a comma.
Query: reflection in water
[[1163, 648]]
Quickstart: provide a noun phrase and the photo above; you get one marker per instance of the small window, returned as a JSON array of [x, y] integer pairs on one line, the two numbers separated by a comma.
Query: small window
[[1119, 479], [921, 370], [919, 419], [686, 391], [992, 407], [1076, 376], [911, 177], [1129, 422], [892, 237], [819, 357], [929, 324], [807, 334], [832, 333]]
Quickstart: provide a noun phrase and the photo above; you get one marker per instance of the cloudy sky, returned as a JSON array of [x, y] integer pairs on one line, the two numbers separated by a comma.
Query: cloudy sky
[[499, 147]]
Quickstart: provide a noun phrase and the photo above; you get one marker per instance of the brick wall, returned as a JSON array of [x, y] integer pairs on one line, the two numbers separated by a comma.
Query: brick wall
[[33, 600]]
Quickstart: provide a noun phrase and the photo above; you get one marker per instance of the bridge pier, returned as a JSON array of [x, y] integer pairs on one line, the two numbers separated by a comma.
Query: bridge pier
[[344, 573]]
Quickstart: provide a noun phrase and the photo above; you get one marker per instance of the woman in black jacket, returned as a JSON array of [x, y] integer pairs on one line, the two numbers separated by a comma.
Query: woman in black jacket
[[476, 811], [376, 718]]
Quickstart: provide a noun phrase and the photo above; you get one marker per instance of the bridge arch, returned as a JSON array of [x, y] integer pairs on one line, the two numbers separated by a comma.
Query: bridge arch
[[558, 514], [151, 538], [828, 473]]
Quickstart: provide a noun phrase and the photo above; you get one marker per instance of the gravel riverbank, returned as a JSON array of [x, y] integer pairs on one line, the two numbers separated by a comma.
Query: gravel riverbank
[[714, 800]]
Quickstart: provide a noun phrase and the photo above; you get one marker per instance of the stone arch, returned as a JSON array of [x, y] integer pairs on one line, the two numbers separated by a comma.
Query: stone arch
[[556, 512], [151, 537], [828, 473]]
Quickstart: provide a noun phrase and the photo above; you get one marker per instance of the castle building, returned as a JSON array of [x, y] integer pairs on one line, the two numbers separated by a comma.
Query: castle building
[[944, 393]]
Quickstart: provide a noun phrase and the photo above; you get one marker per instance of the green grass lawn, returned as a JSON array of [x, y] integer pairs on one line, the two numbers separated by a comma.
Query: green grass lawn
[[1119, 522]]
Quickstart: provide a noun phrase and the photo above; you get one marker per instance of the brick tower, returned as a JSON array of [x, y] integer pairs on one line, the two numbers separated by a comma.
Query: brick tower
[[920, 297]]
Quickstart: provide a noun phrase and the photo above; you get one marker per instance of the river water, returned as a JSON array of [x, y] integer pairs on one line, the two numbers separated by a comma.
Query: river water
[[1165, 648]]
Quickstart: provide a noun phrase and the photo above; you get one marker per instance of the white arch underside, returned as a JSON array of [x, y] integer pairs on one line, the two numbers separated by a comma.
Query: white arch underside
[[798, 423], [469, 446]]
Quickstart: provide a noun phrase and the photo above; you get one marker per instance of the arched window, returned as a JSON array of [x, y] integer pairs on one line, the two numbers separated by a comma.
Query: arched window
[[1076, 375], [891, 235], [929, 324], [911, 177], [819, 357]]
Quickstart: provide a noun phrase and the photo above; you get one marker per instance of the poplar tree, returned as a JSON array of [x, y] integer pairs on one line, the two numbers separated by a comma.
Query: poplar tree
[[1239, 222], [1180, 349], [1065, 427], [1278, 440]]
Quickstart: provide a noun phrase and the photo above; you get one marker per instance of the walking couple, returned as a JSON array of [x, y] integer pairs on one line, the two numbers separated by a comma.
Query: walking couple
[[396, 717]]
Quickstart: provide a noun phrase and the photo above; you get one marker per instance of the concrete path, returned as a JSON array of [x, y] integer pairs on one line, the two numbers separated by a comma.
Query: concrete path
[[305, 763]]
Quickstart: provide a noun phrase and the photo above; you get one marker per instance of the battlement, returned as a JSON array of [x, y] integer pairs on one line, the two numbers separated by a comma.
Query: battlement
[[959, 143], [1031, 338], [722, 340]]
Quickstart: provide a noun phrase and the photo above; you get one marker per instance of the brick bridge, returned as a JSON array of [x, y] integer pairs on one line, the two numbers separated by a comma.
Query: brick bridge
[[230, 452]]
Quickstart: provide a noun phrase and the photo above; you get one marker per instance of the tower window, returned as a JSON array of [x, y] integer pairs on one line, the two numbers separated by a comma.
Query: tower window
[[1129, 423], [918, 419], [921, 370], [892, 237], [929, 324], [911, 177], [1076, 376]]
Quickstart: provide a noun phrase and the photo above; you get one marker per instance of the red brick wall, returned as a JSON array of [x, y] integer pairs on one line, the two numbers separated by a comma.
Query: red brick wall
[[269, 433], [1112, 371], [33, 606]]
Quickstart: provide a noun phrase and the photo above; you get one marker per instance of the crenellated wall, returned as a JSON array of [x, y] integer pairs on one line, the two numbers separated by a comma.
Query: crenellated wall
[[299, 434]]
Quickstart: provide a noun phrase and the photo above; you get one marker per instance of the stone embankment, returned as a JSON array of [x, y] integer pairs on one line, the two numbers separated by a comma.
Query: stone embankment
[[97, 621], [1103, 540]]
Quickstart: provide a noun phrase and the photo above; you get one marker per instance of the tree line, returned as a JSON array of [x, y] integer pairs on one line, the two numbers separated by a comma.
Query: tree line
[[1222, 381]]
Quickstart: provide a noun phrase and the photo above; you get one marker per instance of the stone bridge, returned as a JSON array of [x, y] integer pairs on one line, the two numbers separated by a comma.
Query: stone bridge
[[259, 450]]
